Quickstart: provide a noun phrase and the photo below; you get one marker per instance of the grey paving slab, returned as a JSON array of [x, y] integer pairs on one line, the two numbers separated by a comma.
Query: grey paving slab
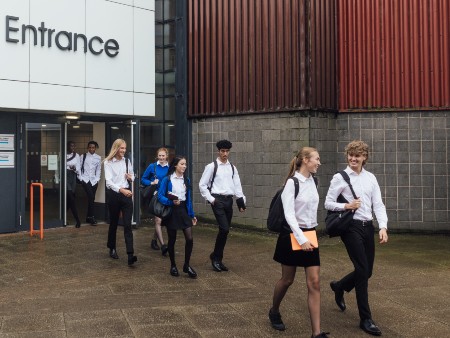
[[67, 286]]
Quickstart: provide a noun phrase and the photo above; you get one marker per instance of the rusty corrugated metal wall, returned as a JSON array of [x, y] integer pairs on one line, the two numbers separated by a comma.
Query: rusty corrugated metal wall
[[249, 56], [323, 54], [394, 54]]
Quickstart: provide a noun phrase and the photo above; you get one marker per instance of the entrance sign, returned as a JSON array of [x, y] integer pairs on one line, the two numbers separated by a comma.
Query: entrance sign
[[68, 42], [91, 57]]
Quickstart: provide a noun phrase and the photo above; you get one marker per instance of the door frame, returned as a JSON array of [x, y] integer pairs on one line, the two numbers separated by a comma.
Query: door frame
[[132, 149], [24, 224]]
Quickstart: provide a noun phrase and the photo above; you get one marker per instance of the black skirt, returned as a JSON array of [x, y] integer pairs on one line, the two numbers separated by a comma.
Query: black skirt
[[286, 256], [179, 219]]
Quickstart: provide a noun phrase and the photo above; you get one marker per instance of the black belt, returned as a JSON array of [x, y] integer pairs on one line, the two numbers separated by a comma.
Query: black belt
[[363, 223], [222, 196]]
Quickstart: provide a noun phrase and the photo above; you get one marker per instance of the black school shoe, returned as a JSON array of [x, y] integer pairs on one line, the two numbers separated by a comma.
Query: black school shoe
[[191, 272], [275, 321], [132, 259], [368, 326]]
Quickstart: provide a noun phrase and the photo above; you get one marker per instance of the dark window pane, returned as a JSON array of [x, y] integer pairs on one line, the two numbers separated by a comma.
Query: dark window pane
[[169, 58], [159, 35], [159, 108], [169, 83], [169, 106], [170, 134], [159, 59], [169, 9], [159, 82], [159, 9], [151, 140], [169, 33]]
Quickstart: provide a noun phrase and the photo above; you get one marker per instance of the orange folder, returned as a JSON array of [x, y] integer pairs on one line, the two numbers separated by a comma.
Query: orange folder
[[310, 235]]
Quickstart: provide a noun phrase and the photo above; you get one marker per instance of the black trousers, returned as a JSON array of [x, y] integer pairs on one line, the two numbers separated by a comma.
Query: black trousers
[[90, 193], [223, 211], [72, 205], [360, 244], [118, 202]]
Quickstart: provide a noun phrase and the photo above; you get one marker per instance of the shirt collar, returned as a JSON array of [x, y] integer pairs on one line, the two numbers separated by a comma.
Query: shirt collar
[[219, 162], [174, 176], [165, 165], [114, 159], [302, 178], [349, 171]]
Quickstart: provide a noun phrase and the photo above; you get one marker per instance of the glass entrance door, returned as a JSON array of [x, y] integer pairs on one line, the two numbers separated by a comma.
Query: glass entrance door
[[42, 160]]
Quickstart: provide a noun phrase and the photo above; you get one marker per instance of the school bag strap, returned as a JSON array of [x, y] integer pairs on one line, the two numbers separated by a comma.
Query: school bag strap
[[347, 179], [215, 172], [82, 164]]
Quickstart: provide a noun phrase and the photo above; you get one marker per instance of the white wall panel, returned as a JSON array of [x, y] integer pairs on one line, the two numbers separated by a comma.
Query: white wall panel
[[103, 71], [54, 79], [55, 97], [14, 57], [144, 51], [123, 2], [51, 64], [144, 104], [147, 4], [14, 94], [109, 101]]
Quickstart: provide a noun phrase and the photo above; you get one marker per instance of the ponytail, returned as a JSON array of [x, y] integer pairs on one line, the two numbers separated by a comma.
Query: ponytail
[[297, 161]]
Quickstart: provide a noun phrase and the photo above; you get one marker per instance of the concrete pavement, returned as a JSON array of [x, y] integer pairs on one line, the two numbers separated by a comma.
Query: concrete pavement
[[67, 286]]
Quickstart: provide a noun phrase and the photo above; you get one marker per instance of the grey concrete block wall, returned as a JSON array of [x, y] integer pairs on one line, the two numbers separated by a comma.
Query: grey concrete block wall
[[409, 154], [263, 146]]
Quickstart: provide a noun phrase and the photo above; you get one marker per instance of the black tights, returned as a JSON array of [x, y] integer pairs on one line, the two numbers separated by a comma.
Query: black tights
[[172, 234]]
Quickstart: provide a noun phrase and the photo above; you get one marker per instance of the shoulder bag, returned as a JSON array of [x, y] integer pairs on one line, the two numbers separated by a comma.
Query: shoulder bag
[[158, 209], [338, 222]]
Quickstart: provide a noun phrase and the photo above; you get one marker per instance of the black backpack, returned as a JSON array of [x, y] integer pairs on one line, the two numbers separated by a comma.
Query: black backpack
[[276, 221]]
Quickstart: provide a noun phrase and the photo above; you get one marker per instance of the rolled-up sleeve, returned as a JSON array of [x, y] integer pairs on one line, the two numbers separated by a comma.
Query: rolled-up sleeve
[[337, 184], [378, 206], [204, 182]]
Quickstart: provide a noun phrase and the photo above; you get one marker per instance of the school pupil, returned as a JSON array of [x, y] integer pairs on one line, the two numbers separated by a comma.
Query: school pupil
[[219, 183], [301, 216], [72, 170], [175, 190], [119, 178], [153, 175], [89, 175]]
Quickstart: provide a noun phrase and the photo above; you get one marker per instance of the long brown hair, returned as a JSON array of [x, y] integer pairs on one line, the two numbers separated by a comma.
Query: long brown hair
[[296, 162]]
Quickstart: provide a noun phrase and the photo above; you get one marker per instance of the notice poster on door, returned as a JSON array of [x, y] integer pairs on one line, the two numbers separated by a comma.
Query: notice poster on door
[[6, 159], [44, 160], [6, 142], [52, 161]]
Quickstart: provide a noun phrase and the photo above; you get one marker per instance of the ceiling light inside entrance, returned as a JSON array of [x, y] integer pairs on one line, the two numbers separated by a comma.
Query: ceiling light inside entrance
[[72, 116]]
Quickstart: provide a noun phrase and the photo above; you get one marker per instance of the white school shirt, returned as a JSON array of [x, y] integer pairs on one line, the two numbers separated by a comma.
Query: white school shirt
[[178, 186], [224, 182], [75, 161], [301, 213], [115, 174], [92, 168], [366, 188]]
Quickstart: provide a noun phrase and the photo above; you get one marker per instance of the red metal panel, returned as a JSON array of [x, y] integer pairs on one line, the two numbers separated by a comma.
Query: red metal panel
[[245, 61], [213, 64], [394, 54], [254, 55]]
